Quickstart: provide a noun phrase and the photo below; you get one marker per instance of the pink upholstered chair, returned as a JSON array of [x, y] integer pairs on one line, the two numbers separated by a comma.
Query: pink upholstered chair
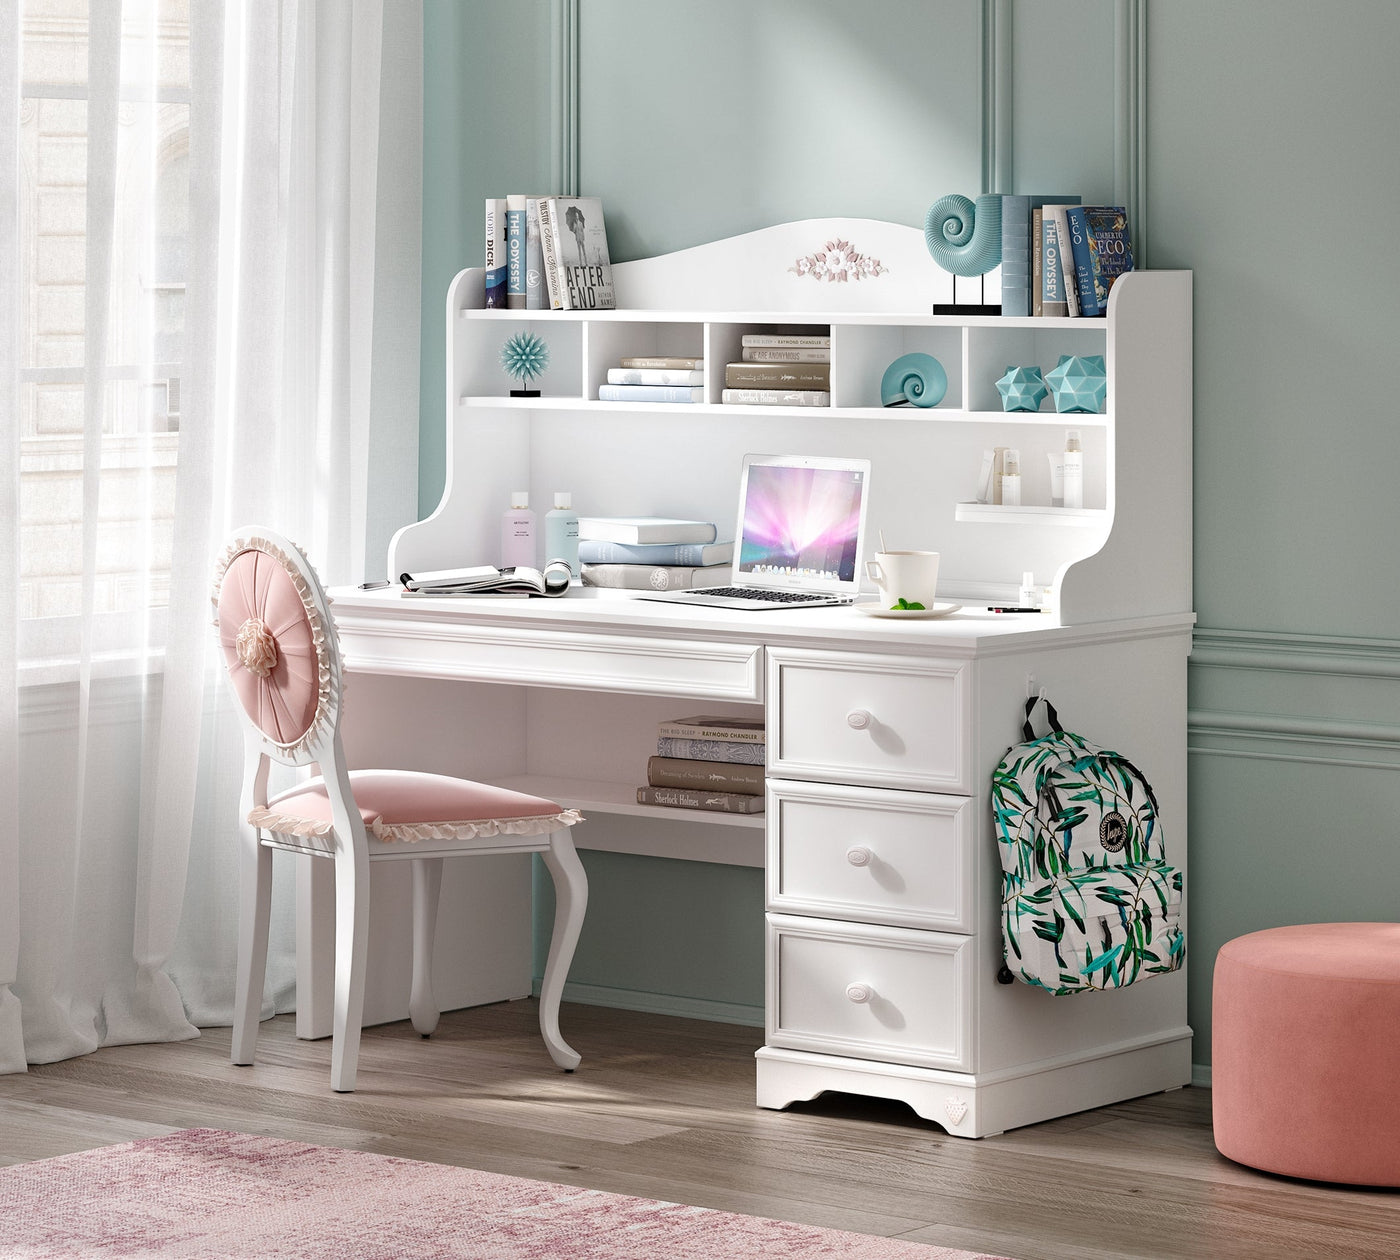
[[285, 669]]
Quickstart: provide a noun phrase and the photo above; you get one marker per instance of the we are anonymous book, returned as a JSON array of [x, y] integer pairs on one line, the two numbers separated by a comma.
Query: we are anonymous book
[[580, 248]]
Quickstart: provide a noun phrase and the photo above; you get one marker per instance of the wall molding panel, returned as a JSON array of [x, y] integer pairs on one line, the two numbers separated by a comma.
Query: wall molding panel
[[564, 97], [1130, 119]]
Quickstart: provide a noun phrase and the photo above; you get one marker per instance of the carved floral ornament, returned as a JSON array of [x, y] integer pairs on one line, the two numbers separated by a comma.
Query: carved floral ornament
[[837, 262]]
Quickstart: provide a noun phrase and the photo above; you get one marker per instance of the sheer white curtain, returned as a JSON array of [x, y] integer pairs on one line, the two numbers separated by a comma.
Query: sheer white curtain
[[209, 239]]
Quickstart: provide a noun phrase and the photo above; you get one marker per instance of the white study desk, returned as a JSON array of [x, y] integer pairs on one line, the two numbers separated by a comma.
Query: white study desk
[[881, 864]]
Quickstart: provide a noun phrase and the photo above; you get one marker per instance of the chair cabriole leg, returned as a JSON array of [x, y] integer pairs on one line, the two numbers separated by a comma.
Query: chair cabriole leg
[[351, 952], [427, 885], [570, 903], [254, 909]]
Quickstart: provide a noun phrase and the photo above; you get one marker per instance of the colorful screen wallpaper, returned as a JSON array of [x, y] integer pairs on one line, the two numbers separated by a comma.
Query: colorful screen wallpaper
[[801, 522]]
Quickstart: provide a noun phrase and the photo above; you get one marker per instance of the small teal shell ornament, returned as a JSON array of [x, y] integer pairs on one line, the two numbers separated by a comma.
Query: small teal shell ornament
[[1078, 382], [525, 357], [963, 238], [913, 378], [1021, 389]]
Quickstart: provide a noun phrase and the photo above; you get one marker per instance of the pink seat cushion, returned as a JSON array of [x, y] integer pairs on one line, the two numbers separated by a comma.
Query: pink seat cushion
[[407, 804], [1305, 1069], [277, 688]]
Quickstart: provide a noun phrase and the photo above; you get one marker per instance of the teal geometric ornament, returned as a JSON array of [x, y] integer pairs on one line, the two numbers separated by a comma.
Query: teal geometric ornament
[[1078, 382], [525, 356], [1022, 389], [913, 378]]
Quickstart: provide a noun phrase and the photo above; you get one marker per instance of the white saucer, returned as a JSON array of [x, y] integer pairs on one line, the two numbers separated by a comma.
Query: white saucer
[[909, 614]]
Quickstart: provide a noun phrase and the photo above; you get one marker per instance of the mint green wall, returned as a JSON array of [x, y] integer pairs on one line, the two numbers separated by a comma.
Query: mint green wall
[[1271, 172]]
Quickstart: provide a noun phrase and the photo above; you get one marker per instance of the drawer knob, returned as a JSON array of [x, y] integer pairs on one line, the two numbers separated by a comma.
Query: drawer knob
[[858, 719], [859, 993], [859, 855]]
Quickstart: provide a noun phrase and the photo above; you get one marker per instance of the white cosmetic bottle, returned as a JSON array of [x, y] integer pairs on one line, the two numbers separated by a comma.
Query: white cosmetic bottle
[[561, 532], [518, 532], [1011, 477], [1074, 470]]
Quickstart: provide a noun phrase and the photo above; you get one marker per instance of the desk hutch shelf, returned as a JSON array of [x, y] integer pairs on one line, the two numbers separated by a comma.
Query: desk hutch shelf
[[881, 869]]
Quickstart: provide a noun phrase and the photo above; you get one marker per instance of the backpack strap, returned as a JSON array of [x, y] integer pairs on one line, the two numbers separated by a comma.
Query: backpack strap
[[1051, 717]]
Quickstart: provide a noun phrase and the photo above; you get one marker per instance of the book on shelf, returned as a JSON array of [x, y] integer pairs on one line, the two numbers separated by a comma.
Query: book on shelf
[[693, 798], [1017, 246], [1059, 216], [711, 726], [710, 776], [728, 750], [672, 361], [1102, 252], [495, 252], [487, 579], [515, 252], [549, 262], [583, 274], [536, 295], [777, 375], [653, 577], [1037, 261], [785, 354], [655, 376], [696, 555], [821, 340], [651, 393], [1053, 299], [645, 529], [776, 397]]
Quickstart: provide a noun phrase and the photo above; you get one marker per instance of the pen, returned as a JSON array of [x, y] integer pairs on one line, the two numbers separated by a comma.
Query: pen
[[373, 586], [1013, 609]]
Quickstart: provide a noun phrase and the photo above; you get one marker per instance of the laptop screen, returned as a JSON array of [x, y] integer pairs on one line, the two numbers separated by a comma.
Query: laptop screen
[[800, 522]]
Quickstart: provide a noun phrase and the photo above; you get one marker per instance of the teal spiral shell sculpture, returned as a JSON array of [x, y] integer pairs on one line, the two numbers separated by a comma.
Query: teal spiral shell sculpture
[[963, 238], [913, 378]]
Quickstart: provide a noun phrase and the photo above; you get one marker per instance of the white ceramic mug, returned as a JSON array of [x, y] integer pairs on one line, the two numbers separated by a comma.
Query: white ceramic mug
[[908, 575]]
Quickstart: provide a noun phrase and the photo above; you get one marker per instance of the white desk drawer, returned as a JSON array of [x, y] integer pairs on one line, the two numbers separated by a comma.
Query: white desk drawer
[[886, 721], [871, 854], [892, 994]]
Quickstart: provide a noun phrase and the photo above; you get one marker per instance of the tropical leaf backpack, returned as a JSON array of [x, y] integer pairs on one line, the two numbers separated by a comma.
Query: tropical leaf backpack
[[1088, 900]]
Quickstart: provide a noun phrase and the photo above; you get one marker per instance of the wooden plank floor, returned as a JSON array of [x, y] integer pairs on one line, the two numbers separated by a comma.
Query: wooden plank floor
[[663, 1108]]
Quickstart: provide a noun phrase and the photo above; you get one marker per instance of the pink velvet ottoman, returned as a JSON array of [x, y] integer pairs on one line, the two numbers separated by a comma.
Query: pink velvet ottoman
[[1305, 1072]]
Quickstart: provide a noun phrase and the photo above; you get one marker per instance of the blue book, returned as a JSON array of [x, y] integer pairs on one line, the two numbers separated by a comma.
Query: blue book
[[651, 393], [732, 751], [1016, 255], [698, 555], [1083, 262], [1110, 248], [515, 252]]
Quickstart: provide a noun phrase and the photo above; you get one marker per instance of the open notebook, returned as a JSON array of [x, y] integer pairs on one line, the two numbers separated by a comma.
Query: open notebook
[[800, 533]]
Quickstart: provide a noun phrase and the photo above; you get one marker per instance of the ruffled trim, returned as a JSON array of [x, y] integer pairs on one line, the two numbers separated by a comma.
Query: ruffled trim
[[411, 833], [327, 676]]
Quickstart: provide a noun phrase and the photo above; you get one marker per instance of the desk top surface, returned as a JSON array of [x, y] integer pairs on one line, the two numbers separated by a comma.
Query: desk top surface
[[972, 630]]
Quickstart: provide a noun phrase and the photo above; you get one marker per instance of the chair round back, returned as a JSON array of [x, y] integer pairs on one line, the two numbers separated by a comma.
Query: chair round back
[[278, 641]]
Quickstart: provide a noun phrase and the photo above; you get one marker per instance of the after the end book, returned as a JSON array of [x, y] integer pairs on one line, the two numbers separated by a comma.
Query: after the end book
[[575, 246]]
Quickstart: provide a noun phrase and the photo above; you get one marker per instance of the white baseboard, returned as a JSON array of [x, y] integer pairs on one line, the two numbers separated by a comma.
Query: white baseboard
[[661, 1004], [1200, 1075]]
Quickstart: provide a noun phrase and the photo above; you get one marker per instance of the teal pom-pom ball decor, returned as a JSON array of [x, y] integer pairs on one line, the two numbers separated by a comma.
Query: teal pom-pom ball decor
[[1022, 389], [1078, 382], [913, 378], [525, 356]]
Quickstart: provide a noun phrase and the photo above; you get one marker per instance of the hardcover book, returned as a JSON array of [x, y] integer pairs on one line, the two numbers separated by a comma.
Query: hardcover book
[[1015, 255], [596, 551], [653, 577], [515, 252], [1059, 215], [661, 361], [645, 529], [711, 750], [1102, 252], [785, 354], [709, 726], [692, 798], [776, 397], [655, 376], [777, 375], [584, 273], [1052, 275], [495, 252], [549, 260], [1037, 261], [822, 340], [712, 776], [651, 393], [536, 294]]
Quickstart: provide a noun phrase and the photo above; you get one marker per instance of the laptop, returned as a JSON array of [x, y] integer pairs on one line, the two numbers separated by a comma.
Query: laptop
[[799, 536]]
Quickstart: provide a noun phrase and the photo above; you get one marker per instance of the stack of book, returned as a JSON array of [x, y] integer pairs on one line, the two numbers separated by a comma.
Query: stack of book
[[780, 370], [1077, 254], [651, 553], [547, 253], [705, 762], [654, 379]]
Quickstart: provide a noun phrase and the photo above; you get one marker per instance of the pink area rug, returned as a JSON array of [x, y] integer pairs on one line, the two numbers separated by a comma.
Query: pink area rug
[[203, 1192]]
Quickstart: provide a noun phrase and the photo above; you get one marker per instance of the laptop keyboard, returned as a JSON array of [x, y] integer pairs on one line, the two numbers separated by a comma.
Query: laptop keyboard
[[748, 592]]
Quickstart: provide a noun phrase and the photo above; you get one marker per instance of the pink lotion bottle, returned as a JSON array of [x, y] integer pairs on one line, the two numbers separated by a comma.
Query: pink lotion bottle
[[518, 532]]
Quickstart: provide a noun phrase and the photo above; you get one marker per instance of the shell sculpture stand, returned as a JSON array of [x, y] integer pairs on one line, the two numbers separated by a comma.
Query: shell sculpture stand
[[965, 240]]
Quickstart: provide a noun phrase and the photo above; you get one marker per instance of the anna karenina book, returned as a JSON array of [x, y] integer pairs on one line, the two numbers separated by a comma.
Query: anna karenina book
[[579, 242]]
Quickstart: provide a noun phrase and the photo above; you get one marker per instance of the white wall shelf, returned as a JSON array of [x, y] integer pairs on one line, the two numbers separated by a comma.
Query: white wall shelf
[[999, 514]]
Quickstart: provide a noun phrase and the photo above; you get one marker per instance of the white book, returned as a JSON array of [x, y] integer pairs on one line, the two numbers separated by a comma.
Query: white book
[[1061, 218], [776, 397], [786, 354], [785, 339], [654, 376], [645, 529]]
